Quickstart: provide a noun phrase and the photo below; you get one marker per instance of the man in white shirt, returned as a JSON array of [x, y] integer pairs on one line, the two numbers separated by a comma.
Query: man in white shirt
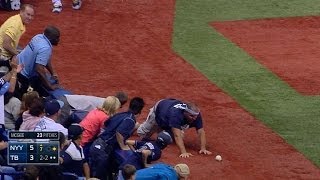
[[49, 121]]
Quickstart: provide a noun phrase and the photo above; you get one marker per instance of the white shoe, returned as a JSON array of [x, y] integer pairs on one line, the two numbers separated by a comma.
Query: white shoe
[[57, 8], [15, 5], [76, 4]]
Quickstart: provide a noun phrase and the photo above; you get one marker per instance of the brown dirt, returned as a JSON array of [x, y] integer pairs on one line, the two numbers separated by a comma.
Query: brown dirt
[[126, 45], [289, 47]]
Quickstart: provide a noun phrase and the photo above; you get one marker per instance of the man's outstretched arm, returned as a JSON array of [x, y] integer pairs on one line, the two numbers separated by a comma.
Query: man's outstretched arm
[[179, 141], [202, 138]]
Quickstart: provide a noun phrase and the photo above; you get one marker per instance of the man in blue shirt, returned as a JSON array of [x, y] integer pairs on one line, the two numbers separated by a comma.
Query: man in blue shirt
[[36, 57], [117, 130], [159, 171], [174, 116]]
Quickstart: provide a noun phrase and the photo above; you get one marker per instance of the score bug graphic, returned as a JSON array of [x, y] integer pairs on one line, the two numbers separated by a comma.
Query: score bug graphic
[[33, 151]]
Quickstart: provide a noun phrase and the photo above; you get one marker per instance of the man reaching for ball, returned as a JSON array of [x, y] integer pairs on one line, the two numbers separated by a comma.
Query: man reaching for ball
[[174, 116]]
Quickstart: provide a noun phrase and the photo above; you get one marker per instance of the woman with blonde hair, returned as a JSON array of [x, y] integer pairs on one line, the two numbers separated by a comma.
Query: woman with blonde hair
[[94, 121]]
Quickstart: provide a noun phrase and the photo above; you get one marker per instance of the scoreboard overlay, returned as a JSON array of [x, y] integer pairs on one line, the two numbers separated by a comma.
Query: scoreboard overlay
[[33, 148]]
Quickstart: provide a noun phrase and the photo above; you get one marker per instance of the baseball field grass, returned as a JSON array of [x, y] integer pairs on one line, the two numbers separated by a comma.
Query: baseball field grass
[[295, 117]]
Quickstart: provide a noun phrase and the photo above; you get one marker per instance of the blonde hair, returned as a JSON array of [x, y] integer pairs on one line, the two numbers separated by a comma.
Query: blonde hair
[[110, 105]]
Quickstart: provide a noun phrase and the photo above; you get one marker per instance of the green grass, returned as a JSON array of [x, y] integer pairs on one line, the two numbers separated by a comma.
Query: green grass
[[293, 116]]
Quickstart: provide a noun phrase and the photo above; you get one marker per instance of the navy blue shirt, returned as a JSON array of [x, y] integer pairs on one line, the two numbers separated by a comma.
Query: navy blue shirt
[[73, 159], [122, 123], [136, 158], [168, 116]]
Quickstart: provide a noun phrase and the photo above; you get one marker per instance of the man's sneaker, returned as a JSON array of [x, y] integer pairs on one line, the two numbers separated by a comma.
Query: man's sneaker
[[76, 4], [57, 8], [15, 4]]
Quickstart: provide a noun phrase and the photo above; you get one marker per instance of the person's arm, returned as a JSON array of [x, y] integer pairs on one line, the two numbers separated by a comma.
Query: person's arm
[[7, 45], [202, 138], [131, 144], [50, 69], [145, 155], [16, 68], [179, 141], [86, 170], [13, 81], [120, 141], [124, 131], [6, 77], [41, 70]]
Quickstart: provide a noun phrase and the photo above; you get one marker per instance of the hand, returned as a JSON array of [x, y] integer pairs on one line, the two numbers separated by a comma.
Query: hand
[[185, 155], [55, 77], [3, 145], [19, 68], [14, 62], [60, 160], [204, 151]]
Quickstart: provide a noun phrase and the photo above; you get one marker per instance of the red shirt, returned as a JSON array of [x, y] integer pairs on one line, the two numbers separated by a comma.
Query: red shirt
[[92, 124]]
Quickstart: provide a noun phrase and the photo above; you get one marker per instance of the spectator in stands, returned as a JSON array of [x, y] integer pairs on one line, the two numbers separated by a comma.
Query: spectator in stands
[[26, 102], [76, 107], [5, 84], [36, 57], [73, 159], [32, 116], [146, 152], [31, 173], [94, 121], [128, 172], [49, 121], [161, 171], [175, 116], [123, 97], [117, 130], [3, 150], [88, 103], [12, 104], [11, 31], [62, 140]]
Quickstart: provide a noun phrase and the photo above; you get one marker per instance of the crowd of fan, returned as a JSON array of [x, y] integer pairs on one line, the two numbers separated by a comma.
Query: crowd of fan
[[96, 136]]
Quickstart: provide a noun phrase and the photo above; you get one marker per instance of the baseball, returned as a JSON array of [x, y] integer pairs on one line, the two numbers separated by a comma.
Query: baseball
[[218, 158]]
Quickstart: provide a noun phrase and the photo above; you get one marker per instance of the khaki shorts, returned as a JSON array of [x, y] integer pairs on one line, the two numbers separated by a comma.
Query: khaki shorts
[[149, 126]]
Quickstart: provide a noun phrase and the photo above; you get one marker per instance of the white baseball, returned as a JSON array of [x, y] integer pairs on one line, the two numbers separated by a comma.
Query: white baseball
[[218, 158]]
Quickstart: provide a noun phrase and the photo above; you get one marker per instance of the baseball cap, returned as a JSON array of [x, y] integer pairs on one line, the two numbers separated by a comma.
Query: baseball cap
[[52, 106], [164, 138], [74, 131], [182, 169]]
